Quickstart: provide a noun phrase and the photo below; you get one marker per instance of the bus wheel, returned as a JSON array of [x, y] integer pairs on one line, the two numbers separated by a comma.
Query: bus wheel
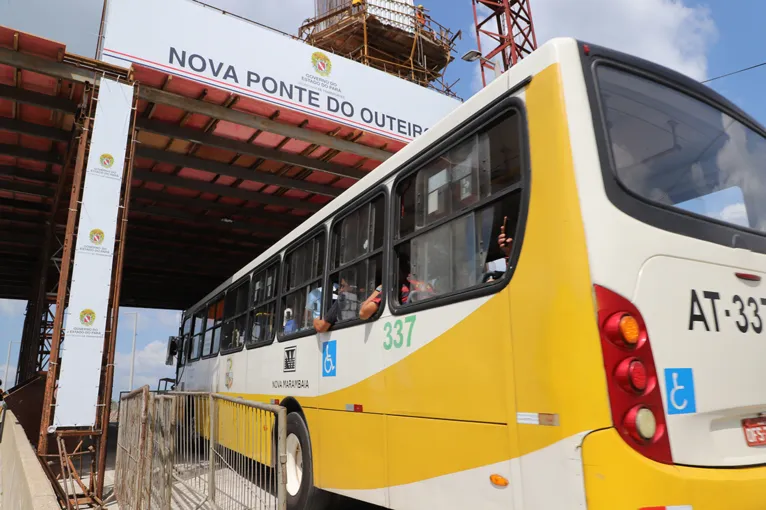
[[301, 493]]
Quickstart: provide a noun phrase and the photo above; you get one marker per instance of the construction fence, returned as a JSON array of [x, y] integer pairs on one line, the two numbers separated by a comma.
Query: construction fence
[[190, 450]]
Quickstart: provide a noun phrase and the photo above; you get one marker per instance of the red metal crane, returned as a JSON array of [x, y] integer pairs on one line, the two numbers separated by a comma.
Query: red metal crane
[[515, 36]]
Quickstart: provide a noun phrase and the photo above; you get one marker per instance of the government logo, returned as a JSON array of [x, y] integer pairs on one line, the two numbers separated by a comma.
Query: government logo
[[107, 160], [229, 374], [321, 63], [97, 236], [87, 317]]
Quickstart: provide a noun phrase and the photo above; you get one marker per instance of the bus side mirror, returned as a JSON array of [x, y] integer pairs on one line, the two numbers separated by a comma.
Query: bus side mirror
[[172, 350]]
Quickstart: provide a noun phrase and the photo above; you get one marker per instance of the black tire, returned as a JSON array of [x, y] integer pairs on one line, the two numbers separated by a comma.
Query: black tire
[[308, 497]]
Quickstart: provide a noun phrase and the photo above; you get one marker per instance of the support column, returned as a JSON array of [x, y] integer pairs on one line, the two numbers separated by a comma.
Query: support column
[[37, 332], [63, 286]]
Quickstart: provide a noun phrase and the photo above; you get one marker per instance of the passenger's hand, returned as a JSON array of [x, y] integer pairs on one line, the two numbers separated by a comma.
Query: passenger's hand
[[504, 242], [321, 326]]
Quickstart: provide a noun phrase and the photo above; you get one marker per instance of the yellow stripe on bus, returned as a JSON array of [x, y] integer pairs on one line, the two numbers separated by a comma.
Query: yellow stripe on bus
[[558, 363]]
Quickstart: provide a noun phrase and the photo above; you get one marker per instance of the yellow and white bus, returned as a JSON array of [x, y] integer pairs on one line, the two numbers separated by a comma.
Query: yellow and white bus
[[614, 360]]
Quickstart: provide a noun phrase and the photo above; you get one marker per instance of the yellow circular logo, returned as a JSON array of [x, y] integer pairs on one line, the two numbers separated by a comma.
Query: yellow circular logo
[[321, 63], [107, 160], [87, 317], [229, 380], [97, 236]]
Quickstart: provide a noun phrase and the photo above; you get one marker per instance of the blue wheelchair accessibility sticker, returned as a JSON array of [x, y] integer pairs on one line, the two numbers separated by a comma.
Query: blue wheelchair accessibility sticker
[[329, 349], [679, 390]]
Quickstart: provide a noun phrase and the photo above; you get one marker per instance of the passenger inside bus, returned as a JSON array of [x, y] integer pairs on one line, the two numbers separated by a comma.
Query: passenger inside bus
[[496, 268], [289, 323], [443, 268], [453, 210], [371, 305], [344, 308]]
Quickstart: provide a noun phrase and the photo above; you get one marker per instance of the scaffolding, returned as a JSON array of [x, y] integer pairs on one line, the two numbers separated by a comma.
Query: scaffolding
[[391, 36]]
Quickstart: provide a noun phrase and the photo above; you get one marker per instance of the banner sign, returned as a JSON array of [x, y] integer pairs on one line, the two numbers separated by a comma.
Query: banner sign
[[82, 348], [250, 60]]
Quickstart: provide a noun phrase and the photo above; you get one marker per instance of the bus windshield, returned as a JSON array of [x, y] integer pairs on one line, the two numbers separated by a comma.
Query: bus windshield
[[673, 149]]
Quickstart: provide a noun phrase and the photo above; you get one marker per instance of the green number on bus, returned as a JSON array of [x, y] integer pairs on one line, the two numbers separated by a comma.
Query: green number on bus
[[389, 341], [411, 321], [397, 325], [398, 343]]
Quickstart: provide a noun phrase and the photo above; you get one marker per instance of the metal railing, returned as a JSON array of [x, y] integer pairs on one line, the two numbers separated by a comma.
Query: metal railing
[[131, 450], [200, 450]]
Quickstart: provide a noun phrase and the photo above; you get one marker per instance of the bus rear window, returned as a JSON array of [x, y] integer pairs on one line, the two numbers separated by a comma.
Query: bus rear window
[[670, 148]]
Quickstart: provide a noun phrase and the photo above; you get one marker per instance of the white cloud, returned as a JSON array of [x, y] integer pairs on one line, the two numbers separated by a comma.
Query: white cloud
[[149, 367], [735, 213], [9, 381], [668, 32], [665, 31], [12, 307]]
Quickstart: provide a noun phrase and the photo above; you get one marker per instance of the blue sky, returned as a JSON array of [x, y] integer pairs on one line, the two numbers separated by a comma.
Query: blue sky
[[702, 39], [740, 26]]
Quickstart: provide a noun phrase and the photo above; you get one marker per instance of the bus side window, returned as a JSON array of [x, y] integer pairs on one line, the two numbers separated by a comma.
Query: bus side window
[[198, 332], [185, 340], [451, 212], [235, 317], [302, 286], [263, 306], [213, 328], [356, 261]]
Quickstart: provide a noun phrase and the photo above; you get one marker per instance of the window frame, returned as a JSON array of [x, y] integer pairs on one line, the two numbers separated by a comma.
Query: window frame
[[221, 296], [276, 259], [320, 229], [234, 286], [364, 200], [472, 126], [184, 339], [660, 216], [193, 335]]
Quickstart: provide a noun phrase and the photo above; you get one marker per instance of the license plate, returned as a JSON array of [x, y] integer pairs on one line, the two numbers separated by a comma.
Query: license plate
[[755, 431]]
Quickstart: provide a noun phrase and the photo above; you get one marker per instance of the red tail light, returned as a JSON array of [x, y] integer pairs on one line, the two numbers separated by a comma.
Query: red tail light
[[634, 394], [632, 375]]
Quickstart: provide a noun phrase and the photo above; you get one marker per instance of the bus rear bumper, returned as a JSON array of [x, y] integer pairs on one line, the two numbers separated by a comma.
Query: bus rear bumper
[[617, 477]]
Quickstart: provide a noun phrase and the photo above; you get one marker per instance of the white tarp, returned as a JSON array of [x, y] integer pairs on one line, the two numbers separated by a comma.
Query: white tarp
[[397, 13], [187, 39], [76, 400]]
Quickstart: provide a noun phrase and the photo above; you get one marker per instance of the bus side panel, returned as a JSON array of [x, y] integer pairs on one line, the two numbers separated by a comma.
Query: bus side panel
[[246, 430], [349, 452], [457, 374], [460, 373], [416, 444], [557, 355]]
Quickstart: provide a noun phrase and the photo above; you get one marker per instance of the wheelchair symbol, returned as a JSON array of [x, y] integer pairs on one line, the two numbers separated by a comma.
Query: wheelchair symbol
[[679, 390], [329, 350], [674, 390]]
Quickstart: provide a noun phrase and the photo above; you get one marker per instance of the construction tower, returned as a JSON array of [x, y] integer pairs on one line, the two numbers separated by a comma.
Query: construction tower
[[396, 37], [507, 26]]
